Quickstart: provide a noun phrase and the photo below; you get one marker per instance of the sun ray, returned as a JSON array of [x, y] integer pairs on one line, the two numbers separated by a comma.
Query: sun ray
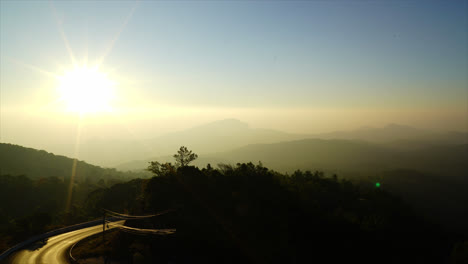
[[117, 35], [75, 163], [33, 67], [86, 46], [62, 33], [112, 70]]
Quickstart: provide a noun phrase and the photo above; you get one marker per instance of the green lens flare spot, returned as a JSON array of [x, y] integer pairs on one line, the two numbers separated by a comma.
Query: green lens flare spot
[[377, 184]]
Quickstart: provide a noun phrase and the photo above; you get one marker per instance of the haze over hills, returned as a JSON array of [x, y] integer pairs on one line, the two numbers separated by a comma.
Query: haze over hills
[[428, 170], [422, 173], [398, 133], [336, 156], [229, 134], [217, 136], [251, 131], [351, 156], [234, 141], [35, 164]]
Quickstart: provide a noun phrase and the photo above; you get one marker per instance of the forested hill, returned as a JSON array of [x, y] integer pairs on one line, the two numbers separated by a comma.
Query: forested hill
[[18, 160], [352, 155], [341, 156]]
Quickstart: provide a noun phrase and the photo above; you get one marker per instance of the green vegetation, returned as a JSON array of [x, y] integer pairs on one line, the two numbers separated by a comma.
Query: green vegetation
[[30, 207], [184, 156], [351, 157], [440, 198], [248, 213], [35, 187], [17, 160]]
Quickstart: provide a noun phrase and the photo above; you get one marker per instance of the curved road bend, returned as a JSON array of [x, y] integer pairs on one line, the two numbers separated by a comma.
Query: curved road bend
[[55, 251]]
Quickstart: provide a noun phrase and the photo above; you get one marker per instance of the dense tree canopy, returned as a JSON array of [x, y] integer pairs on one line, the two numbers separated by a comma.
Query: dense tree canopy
[[248, 213], [235, 214]]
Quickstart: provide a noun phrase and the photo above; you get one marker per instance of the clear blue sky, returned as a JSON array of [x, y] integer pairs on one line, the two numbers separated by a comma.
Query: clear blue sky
[[388, 61]]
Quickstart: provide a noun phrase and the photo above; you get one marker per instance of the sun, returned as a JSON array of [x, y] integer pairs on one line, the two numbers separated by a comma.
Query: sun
[[86, 90]]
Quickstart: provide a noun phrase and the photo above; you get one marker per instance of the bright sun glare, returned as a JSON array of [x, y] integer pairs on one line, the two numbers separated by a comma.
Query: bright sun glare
[[86, 90]]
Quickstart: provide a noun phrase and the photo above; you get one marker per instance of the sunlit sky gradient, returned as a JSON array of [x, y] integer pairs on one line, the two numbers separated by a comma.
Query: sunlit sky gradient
[[305, 67]]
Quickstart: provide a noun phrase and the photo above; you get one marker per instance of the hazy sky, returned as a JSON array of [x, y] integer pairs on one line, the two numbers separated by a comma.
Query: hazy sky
[[309, 66]]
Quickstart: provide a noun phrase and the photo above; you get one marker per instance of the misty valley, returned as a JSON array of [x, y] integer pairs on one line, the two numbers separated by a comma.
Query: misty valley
[[251, 195], [141, 132]]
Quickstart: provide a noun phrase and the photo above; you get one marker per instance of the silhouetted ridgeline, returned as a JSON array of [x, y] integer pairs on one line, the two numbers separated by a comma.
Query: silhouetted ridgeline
[[250, 214], [352, 156], [396, 132], [35, 186], [230, 134], [346, 157], [18, 160]]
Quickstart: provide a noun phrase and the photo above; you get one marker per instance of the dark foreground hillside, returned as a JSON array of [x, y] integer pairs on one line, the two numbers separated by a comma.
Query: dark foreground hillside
[[38, 192], [18, 160], [250, 214]]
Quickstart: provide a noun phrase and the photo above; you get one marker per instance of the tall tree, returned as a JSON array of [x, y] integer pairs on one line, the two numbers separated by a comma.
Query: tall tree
[[184, 156]]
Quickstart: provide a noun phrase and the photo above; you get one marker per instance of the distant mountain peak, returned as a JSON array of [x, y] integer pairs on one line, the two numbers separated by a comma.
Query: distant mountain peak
[[362, 128], [230, 123], [398, 126], [390, 126]]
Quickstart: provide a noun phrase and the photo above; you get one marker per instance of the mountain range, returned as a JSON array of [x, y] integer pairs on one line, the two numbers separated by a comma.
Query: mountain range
[[421, 166], [209, 138], [230, 134], [232, 141]]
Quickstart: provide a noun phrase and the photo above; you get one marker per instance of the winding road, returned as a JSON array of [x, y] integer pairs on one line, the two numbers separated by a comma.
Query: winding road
[[55, 249]]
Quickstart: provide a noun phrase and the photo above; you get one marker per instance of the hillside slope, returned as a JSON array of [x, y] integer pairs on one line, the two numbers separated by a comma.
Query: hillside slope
[[350, 155], [338, 156], [18, 160]]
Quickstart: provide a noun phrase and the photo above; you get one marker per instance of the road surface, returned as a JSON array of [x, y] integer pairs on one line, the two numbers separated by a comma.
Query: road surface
[[55, 249]]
